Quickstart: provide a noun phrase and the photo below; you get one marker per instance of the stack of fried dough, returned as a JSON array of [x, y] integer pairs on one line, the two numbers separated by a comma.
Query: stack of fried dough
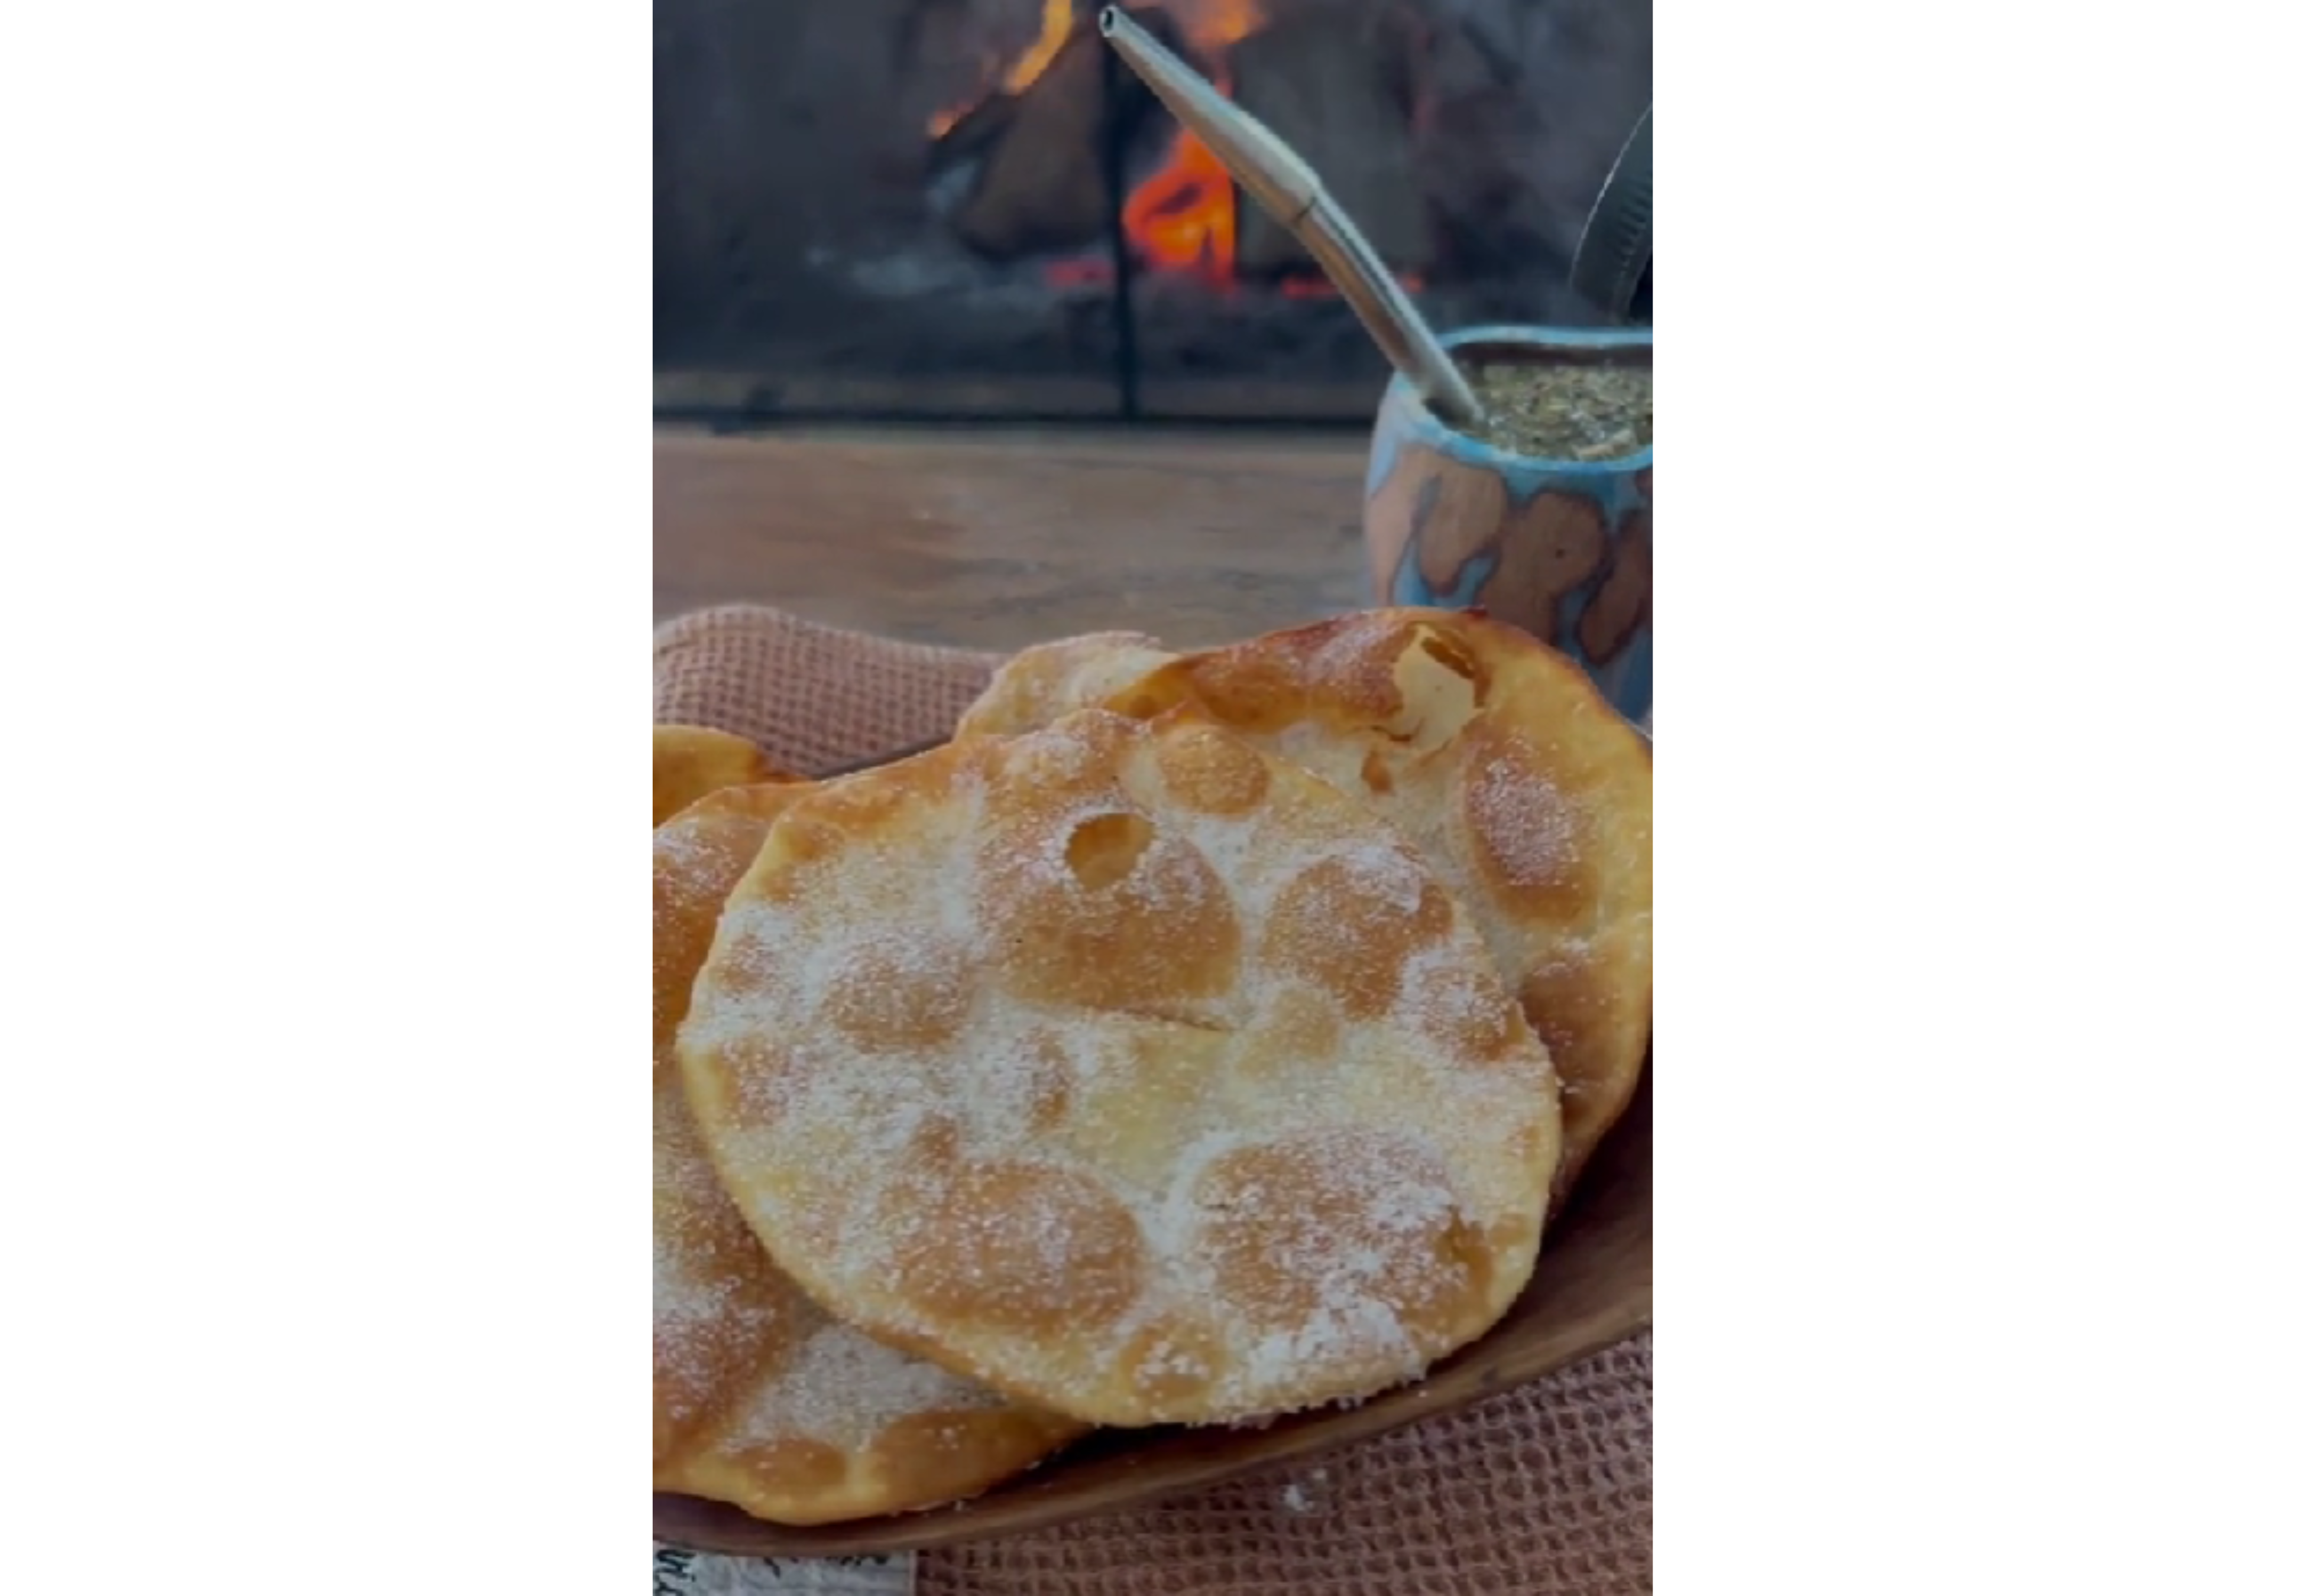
[[1195, 1037]]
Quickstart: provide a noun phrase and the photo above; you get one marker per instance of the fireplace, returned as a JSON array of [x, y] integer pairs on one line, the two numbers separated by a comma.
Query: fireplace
[[971, 208]]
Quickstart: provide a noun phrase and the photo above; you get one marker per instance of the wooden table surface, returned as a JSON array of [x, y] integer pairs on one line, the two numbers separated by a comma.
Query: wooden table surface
[[996, 540]]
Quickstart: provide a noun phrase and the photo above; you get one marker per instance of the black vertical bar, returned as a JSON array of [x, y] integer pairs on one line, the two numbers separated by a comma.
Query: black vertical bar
[[1113, 131]]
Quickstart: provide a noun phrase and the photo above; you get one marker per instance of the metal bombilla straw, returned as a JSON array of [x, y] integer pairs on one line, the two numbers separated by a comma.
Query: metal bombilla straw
[[1274, 175]]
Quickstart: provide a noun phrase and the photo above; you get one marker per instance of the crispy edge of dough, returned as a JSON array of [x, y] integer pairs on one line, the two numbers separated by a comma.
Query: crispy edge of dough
[[689, 762]]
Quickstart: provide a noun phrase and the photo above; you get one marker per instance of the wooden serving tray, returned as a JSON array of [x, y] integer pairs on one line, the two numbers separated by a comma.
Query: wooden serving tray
[[1592, 1290]]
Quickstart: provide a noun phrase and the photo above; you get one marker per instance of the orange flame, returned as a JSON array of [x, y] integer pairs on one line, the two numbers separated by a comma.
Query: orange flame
[[1184, 216], [1056, 28]]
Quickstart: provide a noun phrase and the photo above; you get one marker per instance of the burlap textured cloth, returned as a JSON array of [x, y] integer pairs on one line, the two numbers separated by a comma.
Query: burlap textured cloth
[[1540, 1491]]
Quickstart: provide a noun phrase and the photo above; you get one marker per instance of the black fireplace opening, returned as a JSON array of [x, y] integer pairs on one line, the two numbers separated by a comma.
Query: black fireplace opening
[[971, 209]]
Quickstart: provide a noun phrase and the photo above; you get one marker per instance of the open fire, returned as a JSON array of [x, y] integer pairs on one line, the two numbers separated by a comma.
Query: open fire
[[1181, 218], [972, 206]]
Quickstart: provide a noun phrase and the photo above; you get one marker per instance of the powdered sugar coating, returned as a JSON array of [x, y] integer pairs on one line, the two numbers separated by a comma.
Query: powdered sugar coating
[[1126, 1069], [1514, 781], [763, 1399]]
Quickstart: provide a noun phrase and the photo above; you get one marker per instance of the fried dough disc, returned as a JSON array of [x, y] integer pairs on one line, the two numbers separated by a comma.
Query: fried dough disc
[[692, 761], [1049, 681], [1126, 1068], [762, 1400], [1523, 789]]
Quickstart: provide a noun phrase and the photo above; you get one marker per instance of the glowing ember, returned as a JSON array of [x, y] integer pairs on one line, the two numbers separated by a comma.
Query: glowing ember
[[1087, 271]]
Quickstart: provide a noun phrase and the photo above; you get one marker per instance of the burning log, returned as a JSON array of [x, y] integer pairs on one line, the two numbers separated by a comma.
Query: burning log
[[1321, 81], [1042, 188], [1041, 185], [974, 132]]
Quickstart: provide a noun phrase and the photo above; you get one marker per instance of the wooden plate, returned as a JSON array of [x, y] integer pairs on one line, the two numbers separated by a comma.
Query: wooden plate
[[1592, 1290]]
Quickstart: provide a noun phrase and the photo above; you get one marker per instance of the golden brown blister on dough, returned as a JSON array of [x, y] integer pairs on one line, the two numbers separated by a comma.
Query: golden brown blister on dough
[[691, 761], [1125, 1068], [1527, 793], [762, 1399], [1046, 682]]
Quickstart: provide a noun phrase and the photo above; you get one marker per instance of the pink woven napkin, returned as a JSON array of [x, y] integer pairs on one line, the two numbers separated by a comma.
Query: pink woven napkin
[[1538, 1491]]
